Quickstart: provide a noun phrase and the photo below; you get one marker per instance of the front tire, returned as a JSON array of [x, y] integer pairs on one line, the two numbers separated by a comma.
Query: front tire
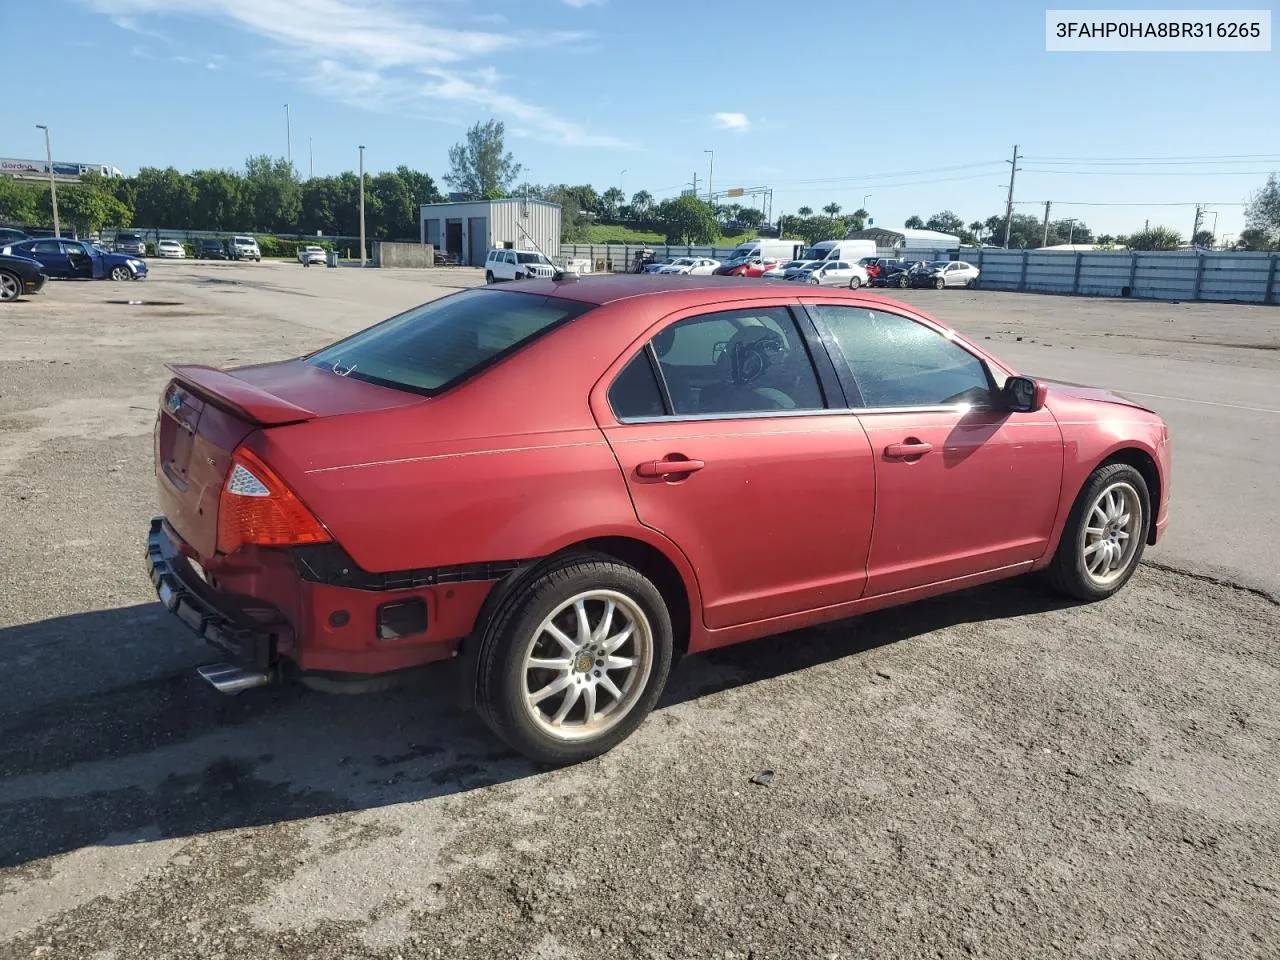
[[10, 286], [1105, 534], [939, 284], [121, 273], [574, 659], [903, 282]]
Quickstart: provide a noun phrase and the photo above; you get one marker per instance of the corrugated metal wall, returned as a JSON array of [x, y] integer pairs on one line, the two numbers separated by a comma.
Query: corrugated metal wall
[[505, 218], [1177, 275]]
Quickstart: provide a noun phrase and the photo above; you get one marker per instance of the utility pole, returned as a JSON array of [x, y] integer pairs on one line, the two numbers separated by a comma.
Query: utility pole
[[1071, 231], [695, 183], [288, 136], [622, 185], [1195, 226], [362, 255], [710, 173], [1045, 241], [1008, 207], [53, 184]]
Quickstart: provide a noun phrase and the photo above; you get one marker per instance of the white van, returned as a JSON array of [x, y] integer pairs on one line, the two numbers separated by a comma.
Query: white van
[[245, 248], [851, 250], [766, 249]]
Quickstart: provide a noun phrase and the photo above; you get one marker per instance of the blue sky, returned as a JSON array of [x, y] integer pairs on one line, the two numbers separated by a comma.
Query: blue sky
[[916, 104]]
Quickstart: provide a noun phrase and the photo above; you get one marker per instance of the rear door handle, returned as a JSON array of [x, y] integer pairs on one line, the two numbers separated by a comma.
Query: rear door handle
[[906, 449], [665, 468]]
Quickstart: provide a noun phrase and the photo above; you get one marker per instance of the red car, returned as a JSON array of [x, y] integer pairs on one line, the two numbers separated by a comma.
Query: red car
[[753, 267], [562, 485]]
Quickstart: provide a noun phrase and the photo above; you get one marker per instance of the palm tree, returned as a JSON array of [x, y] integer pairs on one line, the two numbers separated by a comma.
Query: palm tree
[[977, 228], [805, 212], [831, 209]]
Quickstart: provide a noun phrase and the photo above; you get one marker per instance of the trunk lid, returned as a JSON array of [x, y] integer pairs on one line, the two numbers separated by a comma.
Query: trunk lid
[[205, 413]]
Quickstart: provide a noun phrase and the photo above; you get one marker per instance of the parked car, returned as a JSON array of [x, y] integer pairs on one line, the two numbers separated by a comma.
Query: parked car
[[833, 273], [130, 243], [18, 276], [11, 235], [311, 254], [691, 266], [171, 249], [516, 265], [785, 271], [245, 248], [208, 248], [75, 259], [751, 267], [945, 273], [422, 491], [893, 273]]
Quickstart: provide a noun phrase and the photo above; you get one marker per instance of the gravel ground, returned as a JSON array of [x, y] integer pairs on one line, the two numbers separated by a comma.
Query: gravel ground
[[995, 773]]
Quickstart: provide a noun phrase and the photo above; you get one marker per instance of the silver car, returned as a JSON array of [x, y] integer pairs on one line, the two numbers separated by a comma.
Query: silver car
[[785, 271], [833, 273], [952, 273]]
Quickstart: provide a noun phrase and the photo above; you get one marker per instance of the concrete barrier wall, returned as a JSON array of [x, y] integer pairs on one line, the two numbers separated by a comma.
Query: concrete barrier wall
[[388, 254]]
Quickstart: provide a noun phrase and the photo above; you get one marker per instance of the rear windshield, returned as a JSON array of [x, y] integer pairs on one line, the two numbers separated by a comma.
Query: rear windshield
[[430, 348]]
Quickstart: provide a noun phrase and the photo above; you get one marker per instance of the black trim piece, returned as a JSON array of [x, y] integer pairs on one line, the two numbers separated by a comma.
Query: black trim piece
[[655, 367], [329, 564], [219, 620], [835, 356], [833, 391]]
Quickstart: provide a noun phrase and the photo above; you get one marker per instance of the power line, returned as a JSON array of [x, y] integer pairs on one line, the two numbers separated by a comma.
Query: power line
[[1152, 173], [1183, 159], [1131, 203]]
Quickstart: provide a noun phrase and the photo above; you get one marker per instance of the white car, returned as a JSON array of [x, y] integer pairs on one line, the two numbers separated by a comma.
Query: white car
[[693, 266], [311, 255], [954, 273], [833, 273], [785, 271], [516, 265], [171, 249], [245, 248]]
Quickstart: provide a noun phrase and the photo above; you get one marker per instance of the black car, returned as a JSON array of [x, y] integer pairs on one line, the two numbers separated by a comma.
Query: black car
[[208, 248], [19, 275], [10, 235], [893, 273]]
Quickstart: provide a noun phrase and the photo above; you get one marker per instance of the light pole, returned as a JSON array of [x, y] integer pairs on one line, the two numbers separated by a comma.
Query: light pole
[[53, 185], [622, 185], [311, 161], [1071, 231], [288, 136], [362, 257], [711, 196]]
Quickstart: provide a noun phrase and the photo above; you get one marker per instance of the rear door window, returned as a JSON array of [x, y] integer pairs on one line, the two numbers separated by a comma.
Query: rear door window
[[432, 347]]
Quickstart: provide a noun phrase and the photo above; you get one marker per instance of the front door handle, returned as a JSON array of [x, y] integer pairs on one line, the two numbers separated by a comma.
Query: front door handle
[[668, 467], [907, 449]]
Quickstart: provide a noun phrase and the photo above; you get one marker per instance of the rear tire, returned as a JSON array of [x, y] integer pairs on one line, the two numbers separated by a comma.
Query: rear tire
[[540, 624], [971, 283], [488, 276], [1101, 546], [939, 283], [855, 283], [10, 286], [903, 282]]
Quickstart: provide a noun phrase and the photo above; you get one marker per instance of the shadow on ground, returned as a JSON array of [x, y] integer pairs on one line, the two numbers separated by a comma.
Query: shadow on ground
[[162, 755]]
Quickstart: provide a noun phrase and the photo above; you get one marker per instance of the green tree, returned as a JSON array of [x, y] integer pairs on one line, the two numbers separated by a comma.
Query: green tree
[[1255, 238], [1155, 238], [750, 217], [978, 229], [163, 198], [856, 220], [815, 229], [481, 168], [272, 194], [641, 204], [944, 222], [913, 223], [688, 220], [805, 212], [831, 209], [1262, 215], [219, 196], [19, 201], [1203, 238], [1067, 231], [91, 205], [610, 201]]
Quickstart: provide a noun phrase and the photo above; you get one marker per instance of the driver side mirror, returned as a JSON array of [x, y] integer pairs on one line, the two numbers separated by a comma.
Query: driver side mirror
[[1024, 394]]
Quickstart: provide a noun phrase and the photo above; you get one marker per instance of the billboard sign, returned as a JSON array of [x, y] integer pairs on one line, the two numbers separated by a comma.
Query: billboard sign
[[8, 165]]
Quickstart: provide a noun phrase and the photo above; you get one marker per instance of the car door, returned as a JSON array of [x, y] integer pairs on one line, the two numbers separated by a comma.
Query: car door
[[837, 275], [963, 485], [49, 254], [749, 461], [79, 260]]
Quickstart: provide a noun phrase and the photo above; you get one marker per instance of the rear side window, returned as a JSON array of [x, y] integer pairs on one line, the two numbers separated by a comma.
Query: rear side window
[[897, 362], [635, 393], [430, 348]]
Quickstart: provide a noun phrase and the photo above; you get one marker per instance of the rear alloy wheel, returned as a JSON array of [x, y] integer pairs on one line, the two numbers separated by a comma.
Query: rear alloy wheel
[[488, 276], [121, 273], [10, 286], [855, 283], [1105, 534], [971, 283], [939, 283], [574, 660]]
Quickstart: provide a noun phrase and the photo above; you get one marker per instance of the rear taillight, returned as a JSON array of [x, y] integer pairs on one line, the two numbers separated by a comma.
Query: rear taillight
[[256, 507]]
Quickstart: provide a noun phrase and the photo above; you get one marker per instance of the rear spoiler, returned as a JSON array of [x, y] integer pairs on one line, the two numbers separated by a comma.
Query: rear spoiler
[[239, 397]]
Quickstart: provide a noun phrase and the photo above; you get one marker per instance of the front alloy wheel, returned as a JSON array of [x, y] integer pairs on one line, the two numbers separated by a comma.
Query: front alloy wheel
[[121, 273], [1105, 534], [10, 286]]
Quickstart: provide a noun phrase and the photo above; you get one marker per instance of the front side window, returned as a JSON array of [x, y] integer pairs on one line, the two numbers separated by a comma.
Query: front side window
[[897, 362], [431, 347], [737, 361]]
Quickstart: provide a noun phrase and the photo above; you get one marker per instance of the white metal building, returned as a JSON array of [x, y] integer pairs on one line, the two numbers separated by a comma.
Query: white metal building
[[907, 238], [469, 230]]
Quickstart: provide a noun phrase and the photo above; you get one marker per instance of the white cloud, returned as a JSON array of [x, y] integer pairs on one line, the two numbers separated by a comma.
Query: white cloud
[[731, 121], [383, 50], [579, 4]]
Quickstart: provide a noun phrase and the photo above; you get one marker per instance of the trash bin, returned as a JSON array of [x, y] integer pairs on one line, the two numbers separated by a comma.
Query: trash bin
[[331, 258]]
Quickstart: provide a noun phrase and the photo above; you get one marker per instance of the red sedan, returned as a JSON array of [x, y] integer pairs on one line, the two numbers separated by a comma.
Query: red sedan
[[562, 485], [754, 267]]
